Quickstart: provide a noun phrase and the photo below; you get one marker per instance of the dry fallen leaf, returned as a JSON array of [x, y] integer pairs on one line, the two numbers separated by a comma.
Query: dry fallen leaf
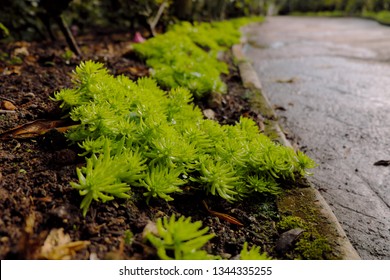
[[30, 222], [59, 246], [34, 128], [13, 69], [30, 59], [21, 51], [117, 254], [150, 227]]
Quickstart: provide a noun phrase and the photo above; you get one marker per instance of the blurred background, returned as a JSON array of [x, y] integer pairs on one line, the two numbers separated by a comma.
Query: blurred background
[[30, 19], [38, 19]]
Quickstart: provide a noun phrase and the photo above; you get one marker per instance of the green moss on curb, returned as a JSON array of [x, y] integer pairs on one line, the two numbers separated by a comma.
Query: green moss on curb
[[298, 210], [290, 222], [260, 103], [313, 246]]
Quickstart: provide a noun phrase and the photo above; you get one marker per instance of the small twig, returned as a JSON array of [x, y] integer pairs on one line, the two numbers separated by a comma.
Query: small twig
[[153, 22], [222, 216], [68, 36], [7, 111], [8, 99]]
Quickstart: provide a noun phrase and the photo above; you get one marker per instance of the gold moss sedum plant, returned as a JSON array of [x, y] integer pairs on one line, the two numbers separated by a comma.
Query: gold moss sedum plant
[[187, 55], [181, 239], [136, 135]]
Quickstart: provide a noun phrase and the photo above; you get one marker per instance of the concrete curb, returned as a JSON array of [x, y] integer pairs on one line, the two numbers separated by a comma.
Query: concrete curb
[[328, 223]]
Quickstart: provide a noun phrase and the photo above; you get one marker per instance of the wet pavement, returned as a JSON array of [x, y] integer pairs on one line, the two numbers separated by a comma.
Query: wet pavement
[[329, 79]]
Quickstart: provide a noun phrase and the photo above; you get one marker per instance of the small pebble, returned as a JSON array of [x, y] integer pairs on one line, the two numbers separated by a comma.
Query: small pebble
[[287, 240], [29, 94], [209, 114]]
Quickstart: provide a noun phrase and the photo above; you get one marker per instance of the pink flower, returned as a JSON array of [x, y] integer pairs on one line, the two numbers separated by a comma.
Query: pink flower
[[138, 38]]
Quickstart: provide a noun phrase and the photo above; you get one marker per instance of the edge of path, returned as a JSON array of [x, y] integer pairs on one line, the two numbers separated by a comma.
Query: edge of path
[[326, 220]]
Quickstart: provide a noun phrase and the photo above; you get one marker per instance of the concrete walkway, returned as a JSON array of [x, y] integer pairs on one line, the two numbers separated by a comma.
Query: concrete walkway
[[330, 82]]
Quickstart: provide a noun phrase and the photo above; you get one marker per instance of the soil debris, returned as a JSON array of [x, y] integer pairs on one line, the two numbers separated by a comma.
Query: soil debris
[[382, 163]]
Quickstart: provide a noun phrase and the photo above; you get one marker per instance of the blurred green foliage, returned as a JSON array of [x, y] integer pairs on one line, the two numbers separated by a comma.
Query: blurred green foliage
[[4, 32], [177, 61], [382, 16], [179, 57], [25, 18], [349, 7], [21, 18], [378, 10], [187, 55]]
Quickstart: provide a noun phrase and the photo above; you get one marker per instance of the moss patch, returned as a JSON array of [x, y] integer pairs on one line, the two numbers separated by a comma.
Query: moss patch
[[313, 246], [298, 208]]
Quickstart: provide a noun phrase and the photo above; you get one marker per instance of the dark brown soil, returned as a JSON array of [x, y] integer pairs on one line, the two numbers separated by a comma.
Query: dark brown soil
[[35, 194]]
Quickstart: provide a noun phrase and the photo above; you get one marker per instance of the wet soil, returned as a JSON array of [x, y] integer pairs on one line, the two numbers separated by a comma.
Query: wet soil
[[36, 197]]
